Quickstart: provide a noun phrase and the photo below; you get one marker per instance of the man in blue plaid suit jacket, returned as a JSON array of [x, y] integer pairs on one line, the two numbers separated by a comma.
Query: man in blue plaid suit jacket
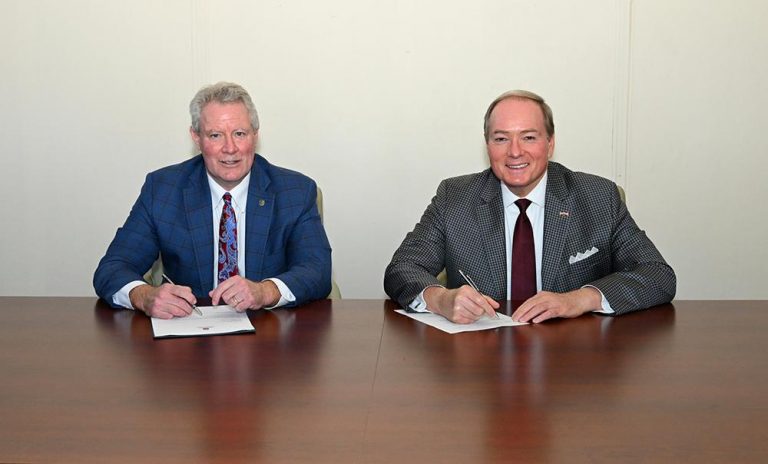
[[590, 254], [285, 251]]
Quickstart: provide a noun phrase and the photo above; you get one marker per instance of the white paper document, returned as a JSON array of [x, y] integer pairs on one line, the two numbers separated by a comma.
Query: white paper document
[[215, 320], [439, 322]]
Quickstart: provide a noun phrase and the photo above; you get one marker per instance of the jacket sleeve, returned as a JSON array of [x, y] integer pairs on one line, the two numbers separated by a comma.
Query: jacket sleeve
[[421, 256], [132, 251], [641, 278], [307, 253]]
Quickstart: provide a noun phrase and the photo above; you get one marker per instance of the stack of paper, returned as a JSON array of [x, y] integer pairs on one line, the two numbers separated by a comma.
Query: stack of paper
[[214, 321], [439, 322]]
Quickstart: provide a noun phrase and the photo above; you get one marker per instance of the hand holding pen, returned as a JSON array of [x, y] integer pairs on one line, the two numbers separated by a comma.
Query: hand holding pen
[[462, 305], [474, 286], [163, 302], [194, 306]]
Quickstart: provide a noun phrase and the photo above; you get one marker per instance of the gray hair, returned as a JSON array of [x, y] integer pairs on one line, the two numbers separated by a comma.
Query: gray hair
[[549, 121], [221, 92]]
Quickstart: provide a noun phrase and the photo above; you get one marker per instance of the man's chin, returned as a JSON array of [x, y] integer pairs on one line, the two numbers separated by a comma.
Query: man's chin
[[229, 182]]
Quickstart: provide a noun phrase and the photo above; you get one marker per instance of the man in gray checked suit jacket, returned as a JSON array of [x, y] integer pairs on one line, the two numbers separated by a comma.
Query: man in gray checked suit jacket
[[590, 255]]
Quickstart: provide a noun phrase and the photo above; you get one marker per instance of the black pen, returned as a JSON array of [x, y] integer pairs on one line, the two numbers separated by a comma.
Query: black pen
[[472, 284], [194, 306]]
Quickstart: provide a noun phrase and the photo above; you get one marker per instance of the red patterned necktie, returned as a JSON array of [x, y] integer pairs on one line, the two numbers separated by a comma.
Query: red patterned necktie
[[227, 241], [523, 285]]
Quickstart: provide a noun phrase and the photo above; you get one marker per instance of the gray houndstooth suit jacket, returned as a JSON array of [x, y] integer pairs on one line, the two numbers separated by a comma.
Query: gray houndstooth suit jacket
[[463, 228]]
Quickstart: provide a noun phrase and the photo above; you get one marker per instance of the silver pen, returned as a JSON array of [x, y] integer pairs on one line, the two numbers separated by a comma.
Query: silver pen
[[194, 306], [472, 284]]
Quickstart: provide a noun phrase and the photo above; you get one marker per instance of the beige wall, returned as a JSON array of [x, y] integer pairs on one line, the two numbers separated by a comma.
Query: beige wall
[[378, 100]]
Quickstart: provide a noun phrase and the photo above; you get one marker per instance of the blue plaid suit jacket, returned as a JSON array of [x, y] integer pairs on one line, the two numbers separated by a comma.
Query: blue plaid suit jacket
[[463, 228], [173, 218]]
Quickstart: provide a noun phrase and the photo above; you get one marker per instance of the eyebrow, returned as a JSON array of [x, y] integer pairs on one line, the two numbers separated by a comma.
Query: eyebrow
[[524, 131], [210, 131]]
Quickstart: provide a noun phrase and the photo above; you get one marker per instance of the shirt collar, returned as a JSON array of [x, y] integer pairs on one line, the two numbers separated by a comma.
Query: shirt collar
[[537, 195], [239, 192]]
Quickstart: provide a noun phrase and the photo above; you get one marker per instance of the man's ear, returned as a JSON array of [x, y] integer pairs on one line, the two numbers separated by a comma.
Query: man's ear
[[195, 136], [551, 147]]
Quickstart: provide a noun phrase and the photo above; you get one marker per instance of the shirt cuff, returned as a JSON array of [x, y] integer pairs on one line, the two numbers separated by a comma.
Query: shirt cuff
[[605, 307], [419, 305], [122, 296], [286, 296]]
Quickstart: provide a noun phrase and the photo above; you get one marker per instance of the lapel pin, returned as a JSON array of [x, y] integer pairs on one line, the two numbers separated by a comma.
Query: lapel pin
[[564, 214], [262, 202]]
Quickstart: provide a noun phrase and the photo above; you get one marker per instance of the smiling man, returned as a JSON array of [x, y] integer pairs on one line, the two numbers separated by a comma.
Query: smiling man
[[557, 243], [226, 224]]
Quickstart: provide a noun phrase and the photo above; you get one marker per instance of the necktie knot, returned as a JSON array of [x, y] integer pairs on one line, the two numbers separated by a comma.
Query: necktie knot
[[228, 198], [523, 204]]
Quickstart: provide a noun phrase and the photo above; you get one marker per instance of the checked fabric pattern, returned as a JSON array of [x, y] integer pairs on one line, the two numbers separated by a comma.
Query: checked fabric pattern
[[227, 241], [463, 228]]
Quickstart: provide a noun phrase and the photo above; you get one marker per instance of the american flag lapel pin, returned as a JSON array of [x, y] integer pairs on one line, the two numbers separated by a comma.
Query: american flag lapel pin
[[564, 214]]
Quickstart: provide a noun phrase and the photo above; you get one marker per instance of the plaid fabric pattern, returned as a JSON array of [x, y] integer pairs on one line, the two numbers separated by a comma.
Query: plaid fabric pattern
[[463, 228], [173, 217]]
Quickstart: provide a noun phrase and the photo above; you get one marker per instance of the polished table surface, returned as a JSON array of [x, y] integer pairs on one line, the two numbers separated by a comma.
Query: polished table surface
[[353, 381]]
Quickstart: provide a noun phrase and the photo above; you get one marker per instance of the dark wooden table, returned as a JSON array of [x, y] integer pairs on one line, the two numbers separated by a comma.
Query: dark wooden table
[[352, 381]]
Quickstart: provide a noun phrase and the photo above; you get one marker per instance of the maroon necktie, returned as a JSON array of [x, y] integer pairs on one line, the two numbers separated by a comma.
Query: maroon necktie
[[227, 241], [523, 285]]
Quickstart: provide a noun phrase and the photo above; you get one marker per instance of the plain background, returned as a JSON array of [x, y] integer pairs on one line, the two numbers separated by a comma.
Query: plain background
[[378, 100]]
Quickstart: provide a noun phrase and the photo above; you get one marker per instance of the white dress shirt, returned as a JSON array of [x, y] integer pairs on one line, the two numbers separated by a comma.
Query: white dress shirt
[[535, 213]]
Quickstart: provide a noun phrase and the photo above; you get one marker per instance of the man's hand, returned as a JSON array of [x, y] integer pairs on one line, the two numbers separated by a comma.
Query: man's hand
[[243, 294], [546, 305], [461, 305], [163, 302]]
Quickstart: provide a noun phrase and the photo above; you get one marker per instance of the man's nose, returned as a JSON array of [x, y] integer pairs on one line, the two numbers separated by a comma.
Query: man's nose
[[229, 145], [514, 147]]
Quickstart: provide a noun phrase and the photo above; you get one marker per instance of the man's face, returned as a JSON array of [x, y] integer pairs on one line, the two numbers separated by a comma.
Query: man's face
[[227, 142], [518, 146]]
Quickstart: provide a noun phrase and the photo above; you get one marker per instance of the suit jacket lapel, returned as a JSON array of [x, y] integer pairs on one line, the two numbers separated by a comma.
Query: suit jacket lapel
[[490, 220], [258, 213], [557, 219], [197, 206]]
